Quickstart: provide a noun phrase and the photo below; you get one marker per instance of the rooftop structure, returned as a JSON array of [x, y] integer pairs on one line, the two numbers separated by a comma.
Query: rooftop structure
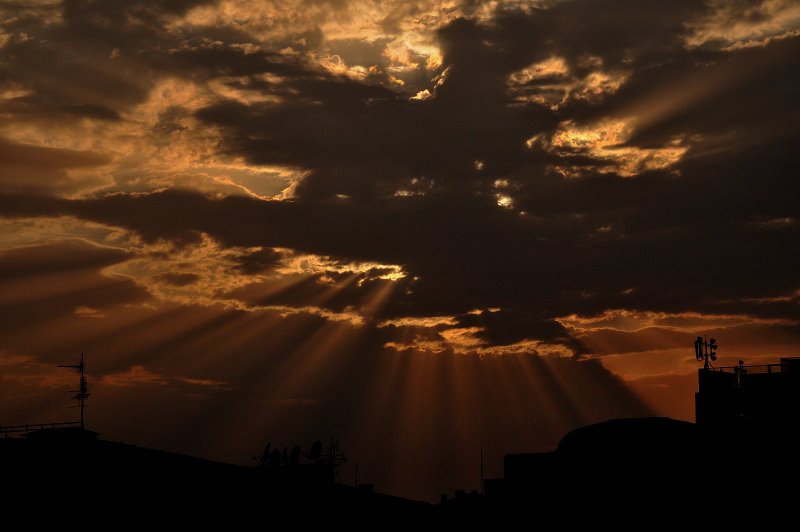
[[765, 396]]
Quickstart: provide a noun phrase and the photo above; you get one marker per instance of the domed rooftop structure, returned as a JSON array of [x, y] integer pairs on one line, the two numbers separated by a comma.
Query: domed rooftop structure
[[631, 437]]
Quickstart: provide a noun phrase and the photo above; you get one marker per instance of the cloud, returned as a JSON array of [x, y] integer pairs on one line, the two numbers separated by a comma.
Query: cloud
[[140, 375], [41, 169], [135, 375], [734, 25], [58, 257]]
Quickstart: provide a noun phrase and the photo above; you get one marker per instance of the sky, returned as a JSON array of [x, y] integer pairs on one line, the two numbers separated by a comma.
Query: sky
[[425, 228]]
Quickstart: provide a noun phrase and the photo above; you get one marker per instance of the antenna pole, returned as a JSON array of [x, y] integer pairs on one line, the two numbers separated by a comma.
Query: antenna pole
[[82, 393], [705, 350]]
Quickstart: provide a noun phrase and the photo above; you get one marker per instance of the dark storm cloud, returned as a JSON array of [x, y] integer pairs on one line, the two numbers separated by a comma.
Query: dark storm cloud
[[748, 92], [68, 66], [506, 326], [713, 233], [623, 31], [540, 269], [362, 141], [97, 59], [258, 261], [366, 141]]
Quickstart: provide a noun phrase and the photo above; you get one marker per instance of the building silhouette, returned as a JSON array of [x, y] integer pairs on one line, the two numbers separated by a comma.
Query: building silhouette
[[757, 397], [739, 459], [743, 447]]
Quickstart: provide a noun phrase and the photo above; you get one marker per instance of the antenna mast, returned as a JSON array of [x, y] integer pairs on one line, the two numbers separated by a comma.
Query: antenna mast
[[704, 350], [82, 393]]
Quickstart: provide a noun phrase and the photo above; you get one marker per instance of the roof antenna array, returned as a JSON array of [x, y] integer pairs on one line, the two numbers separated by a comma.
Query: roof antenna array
[[82, 393], [705, 350]]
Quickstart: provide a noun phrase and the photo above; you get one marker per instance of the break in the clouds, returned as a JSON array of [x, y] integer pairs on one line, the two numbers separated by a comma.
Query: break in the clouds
[[598, 181]]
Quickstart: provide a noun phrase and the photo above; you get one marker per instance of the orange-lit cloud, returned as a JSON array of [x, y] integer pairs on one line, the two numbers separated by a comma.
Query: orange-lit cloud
[[632, 321], [140, 375], [426, 321], [733, 25], [606, 142], [462, 340], [553, 83], [132, 376]]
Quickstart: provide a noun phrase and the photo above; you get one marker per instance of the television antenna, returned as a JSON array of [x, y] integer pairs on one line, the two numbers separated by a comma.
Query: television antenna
[[82, 393], [705, 350]]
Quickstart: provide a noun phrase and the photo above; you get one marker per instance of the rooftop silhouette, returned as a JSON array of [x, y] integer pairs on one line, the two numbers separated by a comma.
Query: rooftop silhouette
[[743, 447]]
